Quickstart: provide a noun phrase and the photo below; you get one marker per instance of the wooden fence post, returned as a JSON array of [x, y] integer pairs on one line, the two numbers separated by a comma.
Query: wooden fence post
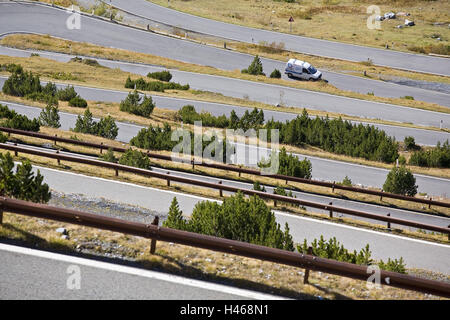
[[153, 243]]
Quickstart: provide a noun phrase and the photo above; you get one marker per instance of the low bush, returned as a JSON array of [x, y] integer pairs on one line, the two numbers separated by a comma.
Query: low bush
[[78, 102], [400, 180], [161, 75], [141, 84], [23, 184], [67, 93], [135, 158], [141, 106], [255, 68], [106, 127], [17, 121], [438, 157], [276, 74], [49, 117], [237, 218]]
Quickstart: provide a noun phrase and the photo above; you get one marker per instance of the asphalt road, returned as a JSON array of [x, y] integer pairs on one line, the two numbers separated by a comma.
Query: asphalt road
[[27, 18], [349, 204], [422, 137], [318, 47], [322, 169], [416, 253], [30, 274], [260, 92]]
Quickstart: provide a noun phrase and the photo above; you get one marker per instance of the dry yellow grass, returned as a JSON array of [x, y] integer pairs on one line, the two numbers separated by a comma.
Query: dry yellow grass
[[337, 20], [54, 44], [197, 263]]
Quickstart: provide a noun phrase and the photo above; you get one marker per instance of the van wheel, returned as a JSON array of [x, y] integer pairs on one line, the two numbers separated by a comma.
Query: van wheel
[[289, 75]]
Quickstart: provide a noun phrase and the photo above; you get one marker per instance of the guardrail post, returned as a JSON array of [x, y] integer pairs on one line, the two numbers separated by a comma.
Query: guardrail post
[[192, 162], [429, 204], [55, 138], [331, 210], [153, 243], [305, 279], [59, 161], [15, 151], [381, 197], [332, 188], [448, 234], [220, 190], [101, 148], [168, 180], [1, 215], [239, 171], [117, 172], [389, 224]]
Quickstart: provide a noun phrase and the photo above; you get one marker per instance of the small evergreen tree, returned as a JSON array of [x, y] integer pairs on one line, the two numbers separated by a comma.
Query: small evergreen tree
[[135, 158], [107, 128], [400, 180], [86, 123], [49, 117], [255, 68], [133, 104], [276, 74], [175, 218], [109, 156]]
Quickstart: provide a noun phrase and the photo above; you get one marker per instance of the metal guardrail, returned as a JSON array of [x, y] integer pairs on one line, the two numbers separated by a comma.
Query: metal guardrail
[[155, 232], [240, 170], [219, 186]]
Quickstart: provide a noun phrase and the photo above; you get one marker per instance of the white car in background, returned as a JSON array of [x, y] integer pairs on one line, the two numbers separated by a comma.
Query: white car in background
[[301, 70]]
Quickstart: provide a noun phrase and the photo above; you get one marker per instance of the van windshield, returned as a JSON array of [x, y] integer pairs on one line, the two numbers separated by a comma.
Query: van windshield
[[312, 70]]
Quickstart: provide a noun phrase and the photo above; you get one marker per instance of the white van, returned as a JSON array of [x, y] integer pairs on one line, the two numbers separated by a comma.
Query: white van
[[302, 70]]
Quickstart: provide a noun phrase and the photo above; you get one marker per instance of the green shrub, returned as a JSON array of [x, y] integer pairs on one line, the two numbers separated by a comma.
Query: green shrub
[[393, 265], [109, 156], [332, 249], [255, 68], [347, 182], [400, 180], [162, 75], [154, 138], [438, 157], [236, 218], [276, 74], [21, 83], [135, 158], [141, 84], [133, 104], [337, 136], [106, 127], [257, 186], [289, 165], [410, 143], [175, 217], [23, 184], [78, 102], [67, 93], [49, 117], [17, 121]]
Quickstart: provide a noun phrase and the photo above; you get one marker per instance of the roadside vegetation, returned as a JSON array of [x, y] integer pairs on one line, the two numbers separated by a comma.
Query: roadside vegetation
[[105, 128], [59, 45], [22, 184]]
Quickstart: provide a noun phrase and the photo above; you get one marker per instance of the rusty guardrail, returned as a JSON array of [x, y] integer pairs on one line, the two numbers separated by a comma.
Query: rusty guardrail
[[219, 186], [155, 232], [332, 185]]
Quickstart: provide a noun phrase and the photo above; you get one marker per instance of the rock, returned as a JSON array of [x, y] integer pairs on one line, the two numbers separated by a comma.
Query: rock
[[409, 23], [400, 26], [404, 14], [61, 230], [65, 237], [379, 18], [208, 260]]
